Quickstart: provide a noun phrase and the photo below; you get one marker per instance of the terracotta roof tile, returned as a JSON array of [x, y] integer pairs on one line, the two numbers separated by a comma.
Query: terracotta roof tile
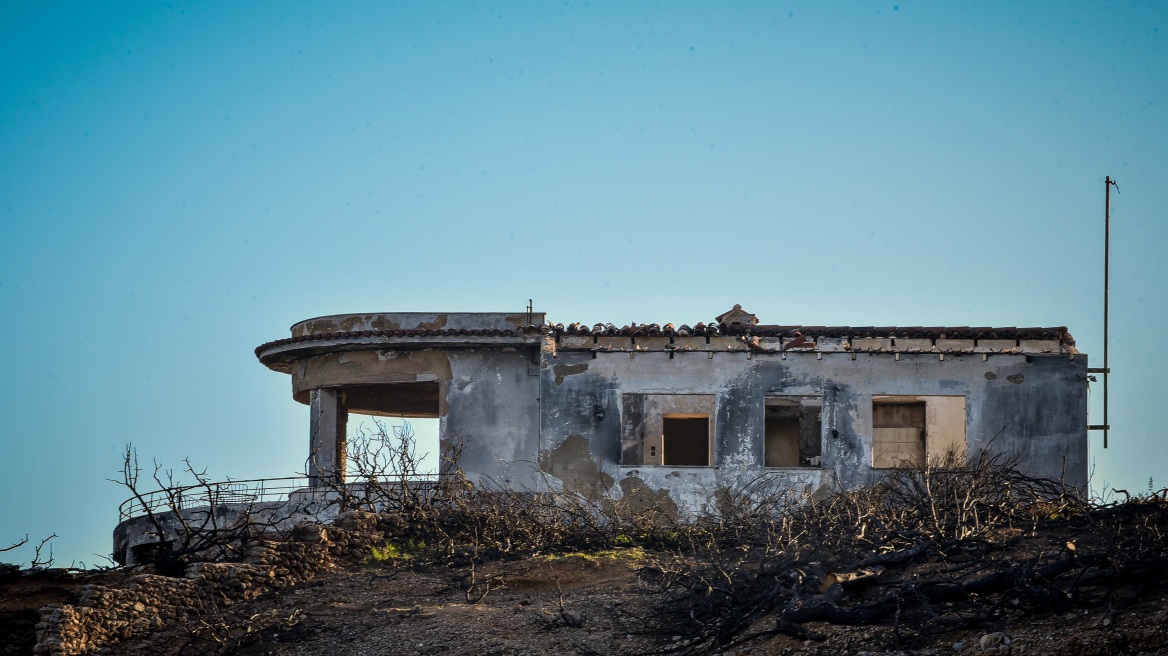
[[903, 332]]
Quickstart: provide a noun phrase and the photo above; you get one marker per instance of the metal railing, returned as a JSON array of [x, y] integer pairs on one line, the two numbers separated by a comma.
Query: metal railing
[[257, 490], [210, 494]]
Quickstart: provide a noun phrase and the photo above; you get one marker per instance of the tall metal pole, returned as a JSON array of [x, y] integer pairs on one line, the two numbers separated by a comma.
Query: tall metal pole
[[1106, 295], [1106, 368]]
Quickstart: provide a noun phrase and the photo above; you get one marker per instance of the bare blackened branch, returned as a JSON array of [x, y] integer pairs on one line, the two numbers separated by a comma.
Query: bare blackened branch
[[45, 560], [23, 541], [42, 553]]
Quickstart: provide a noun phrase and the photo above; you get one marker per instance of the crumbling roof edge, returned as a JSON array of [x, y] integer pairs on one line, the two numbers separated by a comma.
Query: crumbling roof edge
[[1059, 333], [873, 332], [540, 316], [397, 333]]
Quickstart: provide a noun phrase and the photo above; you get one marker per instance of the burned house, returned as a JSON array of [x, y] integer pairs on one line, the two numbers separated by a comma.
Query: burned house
[[672, 411], [657, 415]]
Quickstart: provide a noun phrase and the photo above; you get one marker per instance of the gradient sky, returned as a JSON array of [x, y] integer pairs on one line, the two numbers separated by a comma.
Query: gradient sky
[[179, 183]]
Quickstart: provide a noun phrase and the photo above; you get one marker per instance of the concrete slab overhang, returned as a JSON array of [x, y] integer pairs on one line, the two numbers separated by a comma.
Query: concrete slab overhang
[[401, 331], [280, 357]]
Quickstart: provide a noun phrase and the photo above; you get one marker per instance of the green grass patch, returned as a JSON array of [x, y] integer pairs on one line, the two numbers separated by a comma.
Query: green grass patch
[[395, 552], [631, 553]]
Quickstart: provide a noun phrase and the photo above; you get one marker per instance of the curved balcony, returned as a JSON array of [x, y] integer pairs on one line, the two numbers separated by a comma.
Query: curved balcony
[[157, 519]]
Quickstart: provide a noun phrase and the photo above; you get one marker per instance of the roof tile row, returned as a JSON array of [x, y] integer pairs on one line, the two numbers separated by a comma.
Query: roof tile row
[[707, 330]]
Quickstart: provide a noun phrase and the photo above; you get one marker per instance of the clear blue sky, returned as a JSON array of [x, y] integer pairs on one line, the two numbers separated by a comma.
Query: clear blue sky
[[179, 183]]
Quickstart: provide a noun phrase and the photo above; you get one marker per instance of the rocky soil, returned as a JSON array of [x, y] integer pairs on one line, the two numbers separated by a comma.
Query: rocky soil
[[965, 560], [599, 605], [563, 604]]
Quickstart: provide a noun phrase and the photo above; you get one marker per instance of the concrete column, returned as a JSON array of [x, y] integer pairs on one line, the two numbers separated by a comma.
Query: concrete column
[[326, 445]]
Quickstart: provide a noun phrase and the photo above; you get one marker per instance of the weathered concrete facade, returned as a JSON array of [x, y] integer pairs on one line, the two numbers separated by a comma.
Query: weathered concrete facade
[[672, 412]]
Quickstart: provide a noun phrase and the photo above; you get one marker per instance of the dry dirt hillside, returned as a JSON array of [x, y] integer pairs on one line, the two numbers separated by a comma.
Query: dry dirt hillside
[[933, 563]]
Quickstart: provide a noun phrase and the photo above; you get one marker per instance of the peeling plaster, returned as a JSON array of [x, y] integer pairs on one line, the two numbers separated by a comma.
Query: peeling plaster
[[383, 323], [572, 463], [437, 324], [640, 498], [563, 370], [392, 321], [372, 367]]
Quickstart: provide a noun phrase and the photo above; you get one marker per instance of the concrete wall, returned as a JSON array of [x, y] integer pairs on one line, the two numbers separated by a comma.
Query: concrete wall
[[1033, 405], [488, 399], [493, 400]]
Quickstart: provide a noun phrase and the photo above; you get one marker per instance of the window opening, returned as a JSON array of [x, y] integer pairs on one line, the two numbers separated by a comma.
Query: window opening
[[898, 433], [908, 429], [793, 431], [685, 440], [675, 430], [385, 446], [382, 419]]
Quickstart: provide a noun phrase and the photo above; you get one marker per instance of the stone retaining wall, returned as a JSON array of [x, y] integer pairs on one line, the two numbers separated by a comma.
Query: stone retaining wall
[[147, 603]]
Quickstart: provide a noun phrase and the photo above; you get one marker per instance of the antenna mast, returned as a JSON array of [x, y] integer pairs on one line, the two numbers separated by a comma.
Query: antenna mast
[[1106, 368]]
